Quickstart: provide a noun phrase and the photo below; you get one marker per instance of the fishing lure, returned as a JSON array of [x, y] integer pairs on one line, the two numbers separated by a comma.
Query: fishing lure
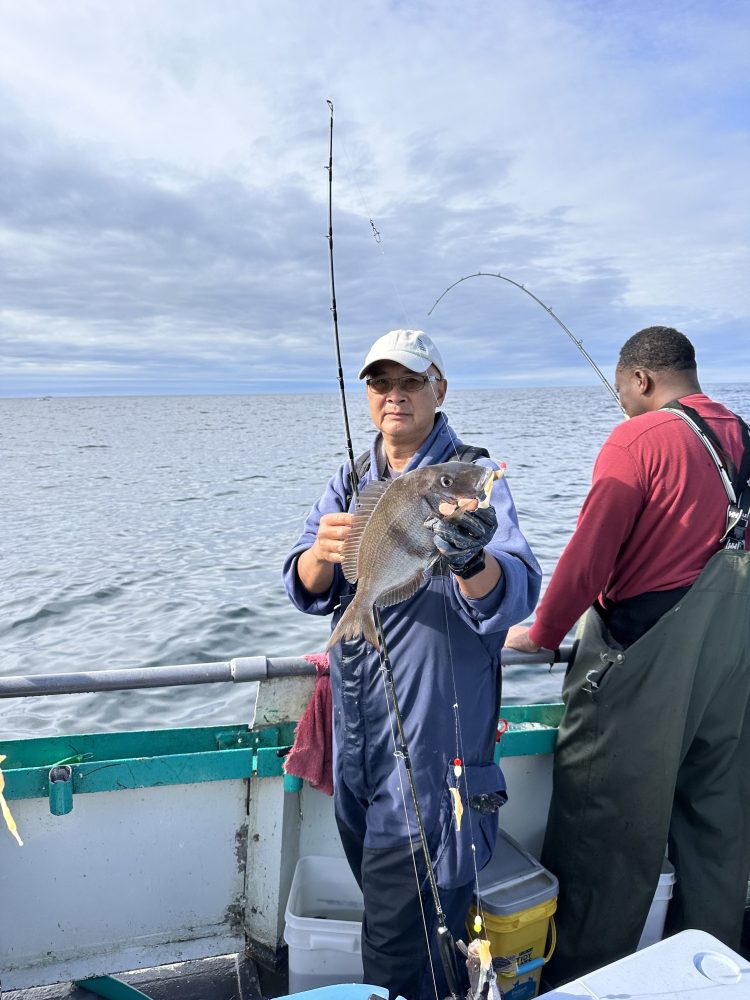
[[482, 978], [9, 821], [458, 807]]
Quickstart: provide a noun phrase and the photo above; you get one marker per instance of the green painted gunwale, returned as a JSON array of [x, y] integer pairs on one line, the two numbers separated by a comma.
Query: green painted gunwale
[[532, 729], [106, 762]]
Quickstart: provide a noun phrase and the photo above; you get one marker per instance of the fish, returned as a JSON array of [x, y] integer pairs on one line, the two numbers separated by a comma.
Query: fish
[[391, 544]]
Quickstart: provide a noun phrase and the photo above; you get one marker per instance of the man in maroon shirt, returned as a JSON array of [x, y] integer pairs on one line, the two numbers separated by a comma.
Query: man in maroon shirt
[[654, 745]]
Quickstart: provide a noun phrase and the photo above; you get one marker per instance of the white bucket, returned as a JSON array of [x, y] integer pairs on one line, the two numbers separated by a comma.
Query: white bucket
[[323, 924], [653, 929]]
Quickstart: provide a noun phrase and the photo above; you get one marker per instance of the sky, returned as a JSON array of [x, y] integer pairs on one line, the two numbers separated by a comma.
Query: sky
[[164, 191]]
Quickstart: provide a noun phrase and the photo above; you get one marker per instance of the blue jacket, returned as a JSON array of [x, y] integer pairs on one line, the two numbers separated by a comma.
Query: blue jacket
[[445, 652]]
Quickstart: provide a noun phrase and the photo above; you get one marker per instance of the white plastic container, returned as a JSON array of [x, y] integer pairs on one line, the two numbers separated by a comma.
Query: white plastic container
[[323, 924], [691, 965], [653, 929]]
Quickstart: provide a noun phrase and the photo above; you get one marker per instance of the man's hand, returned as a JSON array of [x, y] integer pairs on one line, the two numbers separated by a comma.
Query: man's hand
[[333, 531], [315, 566], [461, 539], [518, 638]]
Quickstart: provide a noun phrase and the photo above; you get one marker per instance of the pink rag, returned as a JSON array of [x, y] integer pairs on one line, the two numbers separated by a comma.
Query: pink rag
[[311, 756]]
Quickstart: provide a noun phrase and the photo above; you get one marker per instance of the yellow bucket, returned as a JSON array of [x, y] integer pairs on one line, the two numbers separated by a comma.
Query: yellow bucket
[[517, 899], [521, 939]]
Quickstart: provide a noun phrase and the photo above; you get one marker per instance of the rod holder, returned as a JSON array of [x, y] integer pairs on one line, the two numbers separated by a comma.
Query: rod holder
[[61, 789]]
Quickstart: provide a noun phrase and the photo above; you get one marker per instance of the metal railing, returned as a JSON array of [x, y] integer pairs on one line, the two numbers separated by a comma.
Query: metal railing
[[240, 670]]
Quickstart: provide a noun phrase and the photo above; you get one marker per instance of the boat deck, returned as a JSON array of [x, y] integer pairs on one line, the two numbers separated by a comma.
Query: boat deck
[[225, 977]]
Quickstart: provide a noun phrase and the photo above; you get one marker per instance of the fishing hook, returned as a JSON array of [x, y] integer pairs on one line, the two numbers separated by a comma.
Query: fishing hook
[[445, 941], [576, 341]]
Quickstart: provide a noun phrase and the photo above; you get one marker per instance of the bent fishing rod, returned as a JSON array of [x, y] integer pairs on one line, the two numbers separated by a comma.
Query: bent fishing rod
[[523, 288], [445, 941]]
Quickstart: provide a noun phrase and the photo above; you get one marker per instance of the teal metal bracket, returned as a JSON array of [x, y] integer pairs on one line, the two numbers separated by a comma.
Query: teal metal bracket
[[61, 789], [110, 988]]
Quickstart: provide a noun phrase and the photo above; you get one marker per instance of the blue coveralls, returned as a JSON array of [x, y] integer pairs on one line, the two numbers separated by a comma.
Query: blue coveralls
[[445, 652]]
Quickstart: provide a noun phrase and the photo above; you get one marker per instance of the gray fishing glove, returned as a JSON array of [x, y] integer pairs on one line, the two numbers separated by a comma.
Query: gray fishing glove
[[461, 540]]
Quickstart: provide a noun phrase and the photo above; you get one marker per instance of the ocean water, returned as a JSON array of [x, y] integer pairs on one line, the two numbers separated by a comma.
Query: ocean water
[[142, 531]]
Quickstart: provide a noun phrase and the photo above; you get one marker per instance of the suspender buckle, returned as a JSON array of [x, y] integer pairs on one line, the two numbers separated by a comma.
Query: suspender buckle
[[734, 536]]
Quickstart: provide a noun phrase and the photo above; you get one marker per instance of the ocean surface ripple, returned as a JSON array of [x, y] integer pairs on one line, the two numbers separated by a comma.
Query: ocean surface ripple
[[143, 531]]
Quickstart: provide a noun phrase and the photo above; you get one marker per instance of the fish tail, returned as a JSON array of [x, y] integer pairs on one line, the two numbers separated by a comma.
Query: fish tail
[[369, 631], [357, 620]]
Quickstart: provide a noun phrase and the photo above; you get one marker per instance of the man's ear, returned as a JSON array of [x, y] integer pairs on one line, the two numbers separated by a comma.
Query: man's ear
[[644, 381], [440, 391]]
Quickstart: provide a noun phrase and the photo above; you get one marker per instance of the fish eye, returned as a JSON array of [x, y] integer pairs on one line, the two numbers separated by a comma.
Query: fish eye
[[446, 481]]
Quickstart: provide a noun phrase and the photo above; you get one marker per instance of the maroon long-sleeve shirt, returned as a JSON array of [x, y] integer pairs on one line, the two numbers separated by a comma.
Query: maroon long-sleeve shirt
[[651, 521]]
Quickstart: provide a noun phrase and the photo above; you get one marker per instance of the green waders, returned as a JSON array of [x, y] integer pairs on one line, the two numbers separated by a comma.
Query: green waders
[[654, 747]]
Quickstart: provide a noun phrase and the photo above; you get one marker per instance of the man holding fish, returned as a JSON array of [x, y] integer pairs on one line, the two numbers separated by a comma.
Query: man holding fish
[[433, 543]]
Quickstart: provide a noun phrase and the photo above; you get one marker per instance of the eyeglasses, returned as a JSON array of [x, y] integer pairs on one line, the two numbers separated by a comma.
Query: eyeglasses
[[382, 384]]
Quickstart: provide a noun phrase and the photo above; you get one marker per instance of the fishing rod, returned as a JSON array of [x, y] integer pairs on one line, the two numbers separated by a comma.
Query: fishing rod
[[576, 341], [334, 314], [445, 940]]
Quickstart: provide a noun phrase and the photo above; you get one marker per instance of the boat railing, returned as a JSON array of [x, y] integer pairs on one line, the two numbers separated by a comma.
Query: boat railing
[[239, 670]]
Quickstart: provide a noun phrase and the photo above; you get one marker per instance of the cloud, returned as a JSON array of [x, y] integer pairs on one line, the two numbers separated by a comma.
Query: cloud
[[163, 217]]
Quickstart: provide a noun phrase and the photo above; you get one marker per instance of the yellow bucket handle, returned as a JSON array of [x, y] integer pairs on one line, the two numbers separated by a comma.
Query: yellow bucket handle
[[552, 938], [535, 963]]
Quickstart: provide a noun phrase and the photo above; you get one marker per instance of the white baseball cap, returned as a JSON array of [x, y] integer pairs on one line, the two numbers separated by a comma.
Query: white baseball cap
[[411, 348]]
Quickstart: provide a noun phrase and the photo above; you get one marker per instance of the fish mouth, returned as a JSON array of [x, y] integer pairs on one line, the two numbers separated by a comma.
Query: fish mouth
[[446, 504]]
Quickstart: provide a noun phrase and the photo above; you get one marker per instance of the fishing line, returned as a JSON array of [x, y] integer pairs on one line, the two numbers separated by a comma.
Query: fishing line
[[398, 755], [447, 426], [523, 288], [459, 736], [376, 235], [460, 753], [445, 942]]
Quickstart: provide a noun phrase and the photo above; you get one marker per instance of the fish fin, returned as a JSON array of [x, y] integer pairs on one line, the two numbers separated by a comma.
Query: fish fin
[[357, 620], [402, 592], [366, 504]]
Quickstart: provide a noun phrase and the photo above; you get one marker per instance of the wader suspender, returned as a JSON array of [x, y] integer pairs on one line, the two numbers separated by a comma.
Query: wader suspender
[[735, 482]]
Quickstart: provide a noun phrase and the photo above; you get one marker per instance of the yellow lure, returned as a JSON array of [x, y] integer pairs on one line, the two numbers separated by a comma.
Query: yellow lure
[[497, 474], [458, 808], [9, 821], [485, 956]]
